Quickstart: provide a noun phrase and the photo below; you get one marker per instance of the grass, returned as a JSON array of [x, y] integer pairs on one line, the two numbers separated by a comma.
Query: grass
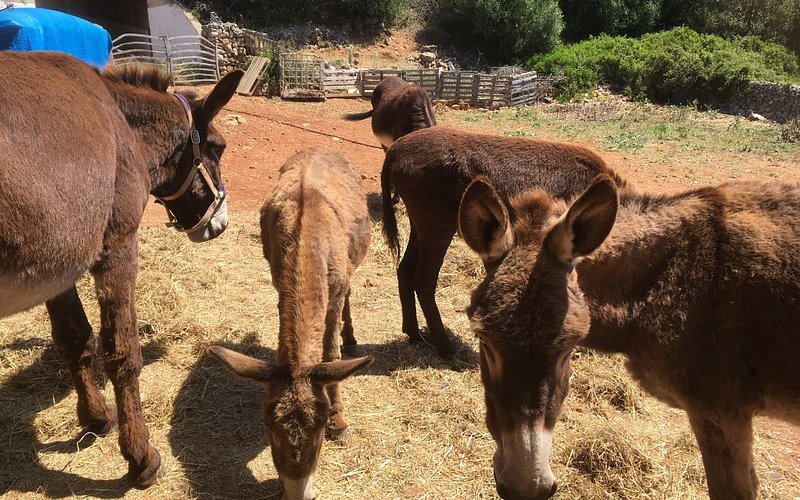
[[615, 125]]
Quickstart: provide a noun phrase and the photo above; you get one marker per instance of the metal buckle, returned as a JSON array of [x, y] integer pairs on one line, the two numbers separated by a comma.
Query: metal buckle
[[195, 136]]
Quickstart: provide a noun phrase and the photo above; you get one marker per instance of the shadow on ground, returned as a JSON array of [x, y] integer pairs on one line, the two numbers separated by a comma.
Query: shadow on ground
[[33, 389], [217, 429]]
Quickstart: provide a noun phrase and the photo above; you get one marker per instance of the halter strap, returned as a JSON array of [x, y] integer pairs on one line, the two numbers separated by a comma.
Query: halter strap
[[197, 165]]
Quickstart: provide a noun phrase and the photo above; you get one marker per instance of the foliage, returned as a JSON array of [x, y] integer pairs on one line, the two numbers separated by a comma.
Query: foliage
[[612, 17], [773, 20], [676, 66], [504, 30], [259, 13]]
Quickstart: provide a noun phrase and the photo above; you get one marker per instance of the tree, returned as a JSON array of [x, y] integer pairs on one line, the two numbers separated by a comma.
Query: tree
[[509, 30], [613, 17]]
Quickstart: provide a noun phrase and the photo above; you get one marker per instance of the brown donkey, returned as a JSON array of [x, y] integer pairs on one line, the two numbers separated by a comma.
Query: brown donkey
[[315, 231], [81, 152], [398, 108], [699, 290], [431, 168]]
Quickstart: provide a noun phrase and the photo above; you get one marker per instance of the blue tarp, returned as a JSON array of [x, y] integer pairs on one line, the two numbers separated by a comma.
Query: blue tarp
[[25, 29]]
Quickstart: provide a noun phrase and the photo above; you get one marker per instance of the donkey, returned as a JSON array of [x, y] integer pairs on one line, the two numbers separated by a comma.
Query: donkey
[[82, 151], [315, 231], [431, 168], [699, 290], [398, 108]]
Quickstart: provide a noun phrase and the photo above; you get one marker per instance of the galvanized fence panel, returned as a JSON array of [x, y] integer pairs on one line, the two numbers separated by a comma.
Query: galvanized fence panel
[[190, 59]]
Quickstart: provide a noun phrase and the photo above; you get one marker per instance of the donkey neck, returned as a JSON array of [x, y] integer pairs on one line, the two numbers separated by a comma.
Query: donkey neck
[[304, 290], [151, 115], [656, 244]]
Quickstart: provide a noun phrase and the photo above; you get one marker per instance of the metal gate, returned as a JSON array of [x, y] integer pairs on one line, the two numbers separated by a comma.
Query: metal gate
[[190, 59]]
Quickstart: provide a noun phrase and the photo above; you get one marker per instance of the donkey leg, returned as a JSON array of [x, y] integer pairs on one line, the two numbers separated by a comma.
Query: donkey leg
[[405, 285], [432, 250], [337, 425], [115, 280], [76, 345], [726, 446], [349, 342]]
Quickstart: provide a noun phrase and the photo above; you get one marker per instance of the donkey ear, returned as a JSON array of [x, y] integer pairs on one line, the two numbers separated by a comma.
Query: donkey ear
[[219, 96], [336, 371], [587, 222], [484, 222], [242, 365]]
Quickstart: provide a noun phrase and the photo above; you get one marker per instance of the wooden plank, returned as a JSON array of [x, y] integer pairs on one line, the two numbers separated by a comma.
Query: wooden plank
[[252, 76]]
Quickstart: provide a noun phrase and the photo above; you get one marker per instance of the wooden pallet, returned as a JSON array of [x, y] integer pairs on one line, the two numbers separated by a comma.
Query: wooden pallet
[[252, 76]]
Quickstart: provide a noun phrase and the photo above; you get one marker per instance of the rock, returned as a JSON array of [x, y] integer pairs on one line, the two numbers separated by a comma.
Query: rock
[[232, 120], [427, 57], [755, 117]]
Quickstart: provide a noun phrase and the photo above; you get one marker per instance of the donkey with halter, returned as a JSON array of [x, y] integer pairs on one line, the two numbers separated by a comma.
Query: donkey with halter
[[430, 169], [398, 108], [77, 168], [699, 290], [315, 231]]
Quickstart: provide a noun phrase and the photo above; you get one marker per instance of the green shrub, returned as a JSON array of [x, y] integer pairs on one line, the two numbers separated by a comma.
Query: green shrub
[[503, 30], [678, 66], [611, 17], [260, 13]]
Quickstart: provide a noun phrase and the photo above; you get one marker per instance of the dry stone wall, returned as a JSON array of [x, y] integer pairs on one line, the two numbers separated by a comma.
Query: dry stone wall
[[774, 101], [231, 45]]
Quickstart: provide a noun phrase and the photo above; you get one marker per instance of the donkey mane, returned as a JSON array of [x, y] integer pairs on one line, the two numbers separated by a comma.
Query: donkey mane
[[140, 75], [643, 201]]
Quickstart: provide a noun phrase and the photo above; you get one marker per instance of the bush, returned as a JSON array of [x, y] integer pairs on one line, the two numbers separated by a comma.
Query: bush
[[611, 17], [678, 66], [503, 30], [260, 13]]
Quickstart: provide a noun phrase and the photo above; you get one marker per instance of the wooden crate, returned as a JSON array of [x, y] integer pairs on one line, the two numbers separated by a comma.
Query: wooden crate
[[342, 82], [531, 88], [428, 79], [476, 89]]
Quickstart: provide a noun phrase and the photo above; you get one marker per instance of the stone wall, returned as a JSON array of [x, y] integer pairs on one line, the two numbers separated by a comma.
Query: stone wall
[[231, 46], [774, 101]]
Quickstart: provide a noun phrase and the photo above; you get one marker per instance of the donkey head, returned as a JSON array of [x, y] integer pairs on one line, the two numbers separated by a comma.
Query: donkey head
[[195, 197], [529, 314], [296, 411]]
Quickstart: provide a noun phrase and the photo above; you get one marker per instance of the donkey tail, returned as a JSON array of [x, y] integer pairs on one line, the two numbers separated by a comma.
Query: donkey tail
[[358, 116], [389, 218]]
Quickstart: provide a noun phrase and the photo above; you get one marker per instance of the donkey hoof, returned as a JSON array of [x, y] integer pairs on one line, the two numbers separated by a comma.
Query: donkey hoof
[[148, 473], [350, 351], [415, 337], [339, 435]]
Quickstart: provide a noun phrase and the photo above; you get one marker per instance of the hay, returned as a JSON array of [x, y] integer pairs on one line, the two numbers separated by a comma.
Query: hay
[[417, 422]]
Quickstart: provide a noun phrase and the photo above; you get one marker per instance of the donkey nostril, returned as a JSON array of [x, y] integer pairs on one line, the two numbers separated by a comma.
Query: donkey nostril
[[554, 489]]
